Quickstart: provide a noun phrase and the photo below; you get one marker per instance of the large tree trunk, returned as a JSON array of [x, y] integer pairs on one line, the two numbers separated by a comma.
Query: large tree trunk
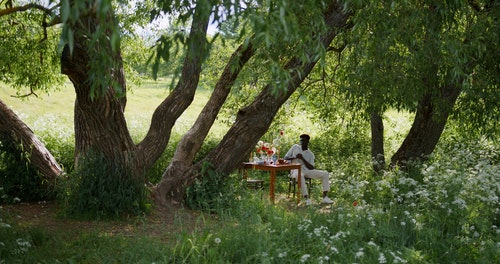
[[100, 125], [377, 129], [428, 125], [252, 121], [15, 130]]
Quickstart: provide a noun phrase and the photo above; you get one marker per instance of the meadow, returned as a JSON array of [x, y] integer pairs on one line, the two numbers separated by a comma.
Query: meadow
[[444, 210]]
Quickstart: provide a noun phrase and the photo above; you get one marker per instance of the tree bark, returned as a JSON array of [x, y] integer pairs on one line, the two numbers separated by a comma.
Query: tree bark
[[377, 149], [100, 124], [428, 125], [14, 129], [253, 120]]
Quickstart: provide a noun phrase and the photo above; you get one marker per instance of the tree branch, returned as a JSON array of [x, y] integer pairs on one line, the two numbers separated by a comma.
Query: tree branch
[[47, 11], [16, 9]]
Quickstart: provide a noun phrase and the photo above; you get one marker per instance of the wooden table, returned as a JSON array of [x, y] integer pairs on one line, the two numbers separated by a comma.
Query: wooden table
[[273, 169]]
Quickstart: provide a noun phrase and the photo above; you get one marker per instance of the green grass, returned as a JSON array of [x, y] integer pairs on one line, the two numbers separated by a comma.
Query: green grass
[[57, 107]]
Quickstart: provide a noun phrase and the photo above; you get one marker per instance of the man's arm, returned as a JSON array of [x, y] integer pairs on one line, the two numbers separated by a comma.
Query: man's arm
[[306, 163]]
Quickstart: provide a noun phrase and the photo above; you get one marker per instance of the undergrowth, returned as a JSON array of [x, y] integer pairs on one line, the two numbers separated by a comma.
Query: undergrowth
[[445, 210]]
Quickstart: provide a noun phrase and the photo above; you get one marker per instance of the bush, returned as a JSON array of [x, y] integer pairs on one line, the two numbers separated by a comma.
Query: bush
[[19, 180], [212, 192], [99, 189]]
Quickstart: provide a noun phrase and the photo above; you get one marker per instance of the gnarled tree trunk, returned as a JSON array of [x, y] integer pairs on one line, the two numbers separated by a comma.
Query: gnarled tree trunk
[[15, 130], [428, 125], [99, 119]]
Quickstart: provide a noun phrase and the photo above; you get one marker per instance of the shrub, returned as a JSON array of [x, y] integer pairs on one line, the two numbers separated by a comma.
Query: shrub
[[98, 189], [19, 180], [212, 192]]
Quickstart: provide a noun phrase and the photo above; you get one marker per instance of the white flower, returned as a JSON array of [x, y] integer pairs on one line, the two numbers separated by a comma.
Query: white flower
[[304, 258], [334, 249], [322, 260], [371, 243], [360, 253], [381, 258], [217, 240]]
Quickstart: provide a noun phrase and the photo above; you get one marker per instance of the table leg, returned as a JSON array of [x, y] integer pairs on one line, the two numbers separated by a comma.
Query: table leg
[[271, 185], [299, 182]]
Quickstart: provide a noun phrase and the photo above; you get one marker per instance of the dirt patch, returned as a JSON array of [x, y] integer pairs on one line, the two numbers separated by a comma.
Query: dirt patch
[[162, 223]]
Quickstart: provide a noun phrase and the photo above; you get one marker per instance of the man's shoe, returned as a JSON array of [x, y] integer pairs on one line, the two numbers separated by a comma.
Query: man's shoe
[[326, 200], [308, 201]]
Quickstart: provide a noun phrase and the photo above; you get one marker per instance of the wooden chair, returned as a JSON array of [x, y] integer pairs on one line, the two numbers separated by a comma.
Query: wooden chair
[[255, 184], [292, 182]]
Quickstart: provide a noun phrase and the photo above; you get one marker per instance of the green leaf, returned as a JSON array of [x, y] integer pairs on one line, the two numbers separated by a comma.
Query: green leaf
[[65, 10]]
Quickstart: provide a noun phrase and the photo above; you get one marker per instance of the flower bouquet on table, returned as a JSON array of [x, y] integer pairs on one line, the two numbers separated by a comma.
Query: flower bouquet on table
[[267, 153], [264, 152]]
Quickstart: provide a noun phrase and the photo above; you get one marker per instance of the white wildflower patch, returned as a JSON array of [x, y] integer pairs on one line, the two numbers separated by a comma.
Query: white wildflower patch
[[460, 203], [397, 258], [323, 259], [5, 225], [334, 249], [339, 235], [371, 243], [304, 225], [360, 253], [381, 258], [282, 254], [304, 258], [319, 231], [23, 246]]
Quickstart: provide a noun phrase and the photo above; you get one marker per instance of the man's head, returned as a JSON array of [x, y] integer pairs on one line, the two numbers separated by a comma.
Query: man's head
[[304, 139], [305, 136]]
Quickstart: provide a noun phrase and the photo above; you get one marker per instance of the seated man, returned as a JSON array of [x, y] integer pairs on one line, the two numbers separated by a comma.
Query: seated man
[[302, 155]]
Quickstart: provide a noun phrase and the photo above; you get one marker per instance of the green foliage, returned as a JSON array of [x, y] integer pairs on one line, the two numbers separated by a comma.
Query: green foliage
[[56, 138], [399, 50], [28, 52], [98, 189], [213, 192], [15, 243], [442, 211], [19, 181]]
